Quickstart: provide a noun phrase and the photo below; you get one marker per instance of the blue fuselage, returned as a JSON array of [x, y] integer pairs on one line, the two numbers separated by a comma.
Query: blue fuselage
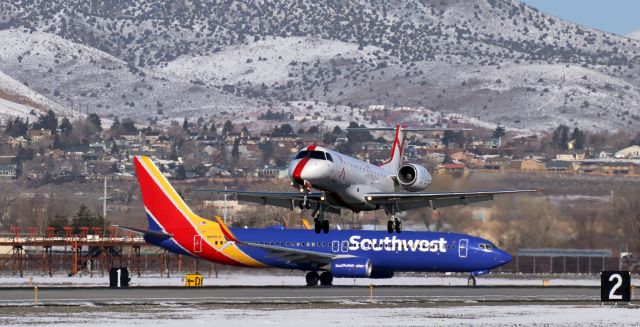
[[407, 251]]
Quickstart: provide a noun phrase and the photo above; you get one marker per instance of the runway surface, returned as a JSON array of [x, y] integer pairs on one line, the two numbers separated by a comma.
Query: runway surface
[[204, 295]]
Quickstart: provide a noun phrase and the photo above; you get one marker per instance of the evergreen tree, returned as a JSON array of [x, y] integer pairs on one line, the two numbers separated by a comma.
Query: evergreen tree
[[65, 127], [499, 132], [47, 121], [235, 150], [185, 124], [95, 120], [227, 128], [578, 137]]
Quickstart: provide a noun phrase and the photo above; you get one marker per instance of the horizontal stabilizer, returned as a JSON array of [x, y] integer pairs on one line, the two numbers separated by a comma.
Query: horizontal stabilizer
[[157, 235]]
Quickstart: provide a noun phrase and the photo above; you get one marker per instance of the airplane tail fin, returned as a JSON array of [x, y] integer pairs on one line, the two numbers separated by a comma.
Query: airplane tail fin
[[397, 151], [166, 211], [190, 234]]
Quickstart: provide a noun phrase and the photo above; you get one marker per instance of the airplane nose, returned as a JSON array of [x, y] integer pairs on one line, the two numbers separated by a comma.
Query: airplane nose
[[309, 170], [505, 257]]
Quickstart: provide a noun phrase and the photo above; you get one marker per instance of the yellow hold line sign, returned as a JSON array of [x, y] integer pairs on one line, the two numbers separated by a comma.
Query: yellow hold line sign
[[193, 280]]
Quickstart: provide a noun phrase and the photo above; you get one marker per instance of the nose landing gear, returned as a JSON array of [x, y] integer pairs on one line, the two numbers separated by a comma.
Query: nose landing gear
[[394, 222]]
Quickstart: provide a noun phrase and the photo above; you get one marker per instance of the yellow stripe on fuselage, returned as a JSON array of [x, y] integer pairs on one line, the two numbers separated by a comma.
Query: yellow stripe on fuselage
[[209, 230]]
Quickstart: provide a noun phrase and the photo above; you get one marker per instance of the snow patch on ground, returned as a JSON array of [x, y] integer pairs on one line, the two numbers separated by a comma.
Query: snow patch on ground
[[471, 315]]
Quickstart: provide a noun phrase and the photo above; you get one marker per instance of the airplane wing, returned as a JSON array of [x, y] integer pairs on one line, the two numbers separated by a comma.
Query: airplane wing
[[410, 201], [289, 200], [314, 258]]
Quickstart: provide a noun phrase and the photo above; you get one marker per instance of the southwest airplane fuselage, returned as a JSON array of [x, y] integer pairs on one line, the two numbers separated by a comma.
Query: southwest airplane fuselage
[[345, 253]]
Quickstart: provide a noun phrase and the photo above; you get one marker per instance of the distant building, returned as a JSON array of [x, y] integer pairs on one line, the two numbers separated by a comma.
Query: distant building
[[18, 142], [531, 164], [497, 163], [8, 171], [37, 135], [559, 165], [571, 156], [609, 167], [452, 167], [631, 152]]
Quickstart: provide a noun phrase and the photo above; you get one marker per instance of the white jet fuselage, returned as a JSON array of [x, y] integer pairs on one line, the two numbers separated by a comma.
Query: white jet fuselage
[[345, 180]]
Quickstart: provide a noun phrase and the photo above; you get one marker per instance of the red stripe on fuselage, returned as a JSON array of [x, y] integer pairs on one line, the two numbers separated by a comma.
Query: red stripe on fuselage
[[311, 148], [172, 220], [298, 171]]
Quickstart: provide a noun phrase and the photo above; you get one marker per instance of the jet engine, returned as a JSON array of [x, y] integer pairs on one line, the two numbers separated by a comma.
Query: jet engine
[[351, 268], [413, 177]]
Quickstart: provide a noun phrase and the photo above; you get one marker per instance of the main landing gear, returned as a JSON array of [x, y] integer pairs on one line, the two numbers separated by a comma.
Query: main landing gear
[[471, 281], [394, 224], [321, 224], [325, 278]]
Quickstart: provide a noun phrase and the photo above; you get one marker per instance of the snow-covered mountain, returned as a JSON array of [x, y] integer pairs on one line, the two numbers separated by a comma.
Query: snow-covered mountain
[[496, 60], [18, 100], [634, 35]]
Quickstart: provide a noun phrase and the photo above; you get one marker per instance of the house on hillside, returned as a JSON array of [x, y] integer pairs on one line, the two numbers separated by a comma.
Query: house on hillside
[[631, 152], [559, 165], [8, 171], [38, 135], [532, 164], [609, 167], [571, 156], [497, 163], [18, 142]]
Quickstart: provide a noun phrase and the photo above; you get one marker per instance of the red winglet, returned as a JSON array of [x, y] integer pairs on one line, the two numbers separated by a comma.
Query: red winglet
[[225, 230]]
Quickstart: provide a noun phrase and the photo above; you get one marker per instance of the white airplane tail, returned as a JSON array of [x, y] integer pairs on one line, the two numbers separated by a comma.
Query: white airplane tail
[[397, 151]]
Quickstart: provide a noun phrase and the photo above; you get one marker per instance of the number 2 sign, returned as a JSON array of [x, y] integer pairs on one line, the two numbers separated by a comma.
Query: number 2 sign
[[615, 286]]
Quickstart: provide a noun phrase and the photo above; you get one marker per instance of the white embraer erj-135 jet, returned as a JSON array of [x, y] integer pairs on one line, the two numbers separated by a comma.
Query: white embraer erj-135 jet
[[346, 182]]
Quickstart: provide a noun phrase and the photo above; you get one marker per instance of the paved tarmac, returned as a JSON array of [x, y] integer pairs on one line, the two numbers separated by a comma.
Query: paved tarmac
[[341, 294]]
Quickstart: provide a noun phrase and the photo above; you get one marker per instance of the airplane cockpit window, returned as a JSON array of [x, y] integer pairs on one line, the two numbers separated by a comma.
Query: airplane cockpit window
[[329, 157], [487, 247], [311, 154]]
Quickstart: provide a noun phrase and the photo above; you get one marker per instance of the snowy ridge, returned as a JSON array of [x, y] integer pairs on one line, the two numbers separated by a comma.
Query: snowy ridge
[[18, 100], [264, 61], [88, 80], [634, 35]]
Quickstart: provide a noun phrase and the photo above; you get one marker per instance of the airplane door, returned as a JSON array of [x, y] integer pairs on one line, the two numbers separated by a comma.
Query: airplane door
[[335, 246], [463, 246], [197, 244], [345, 246]]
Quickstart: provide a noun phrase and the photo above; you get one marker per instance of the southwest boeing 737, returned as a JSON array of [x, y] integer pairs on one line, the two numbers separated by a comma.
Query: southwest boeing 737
[[356, 185], [345, 253]]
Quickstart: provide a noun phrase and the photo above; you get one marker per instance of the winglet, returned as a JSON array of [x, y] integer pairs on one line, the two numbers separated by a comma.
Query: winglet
[[225, 230], [305, 224]]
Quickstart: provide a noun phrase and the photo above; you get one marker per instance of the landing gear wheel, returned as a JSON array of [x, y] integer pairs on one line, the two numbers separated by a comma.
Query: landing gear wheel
[[325, 226], [312, 278], [390, 226], [326, 279], [471, 281], [318, 226], [398, 226], [307, 205]]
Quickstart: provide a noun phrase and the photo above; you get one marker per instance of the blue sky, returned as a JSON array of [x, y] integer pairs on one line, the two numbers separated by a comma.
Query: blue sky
[[615, 16]]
